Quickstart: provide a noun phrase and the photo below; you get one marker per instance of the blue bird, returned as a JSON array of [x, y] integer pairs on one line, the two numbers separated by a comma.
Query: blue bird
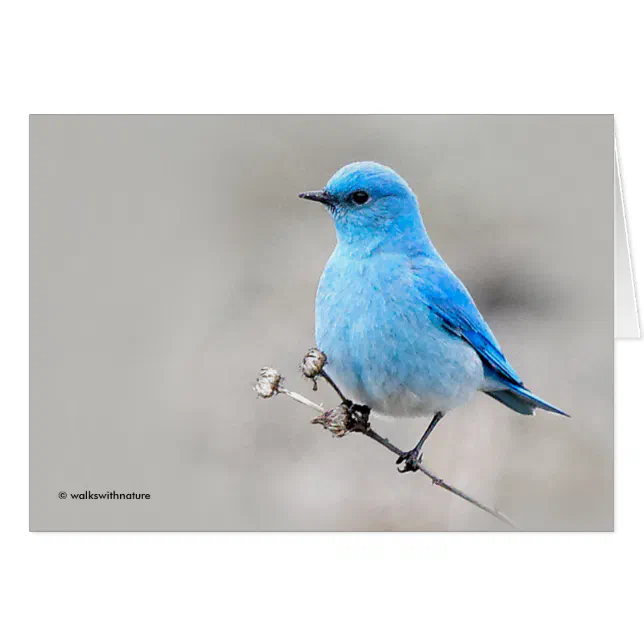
[[401, 333]]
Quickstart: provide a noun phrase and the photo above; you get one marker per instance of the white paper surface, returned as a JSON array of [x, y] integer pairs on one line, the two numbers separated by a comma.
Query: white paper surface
[[626, 319]]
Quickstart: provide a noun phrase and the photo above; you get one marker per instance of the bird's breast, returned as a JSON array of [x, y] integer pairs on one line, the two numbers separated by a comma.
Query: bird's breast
[[383, 344]]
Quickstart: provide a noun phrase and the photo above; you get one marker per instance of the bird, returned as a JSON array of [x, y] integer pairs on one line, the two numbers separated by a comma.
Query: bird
[[401, 334]]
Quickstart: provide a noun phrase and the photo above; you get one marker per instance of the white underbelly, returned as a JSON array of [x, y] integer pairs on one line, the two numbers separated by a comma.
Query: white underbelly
[[442, 373]]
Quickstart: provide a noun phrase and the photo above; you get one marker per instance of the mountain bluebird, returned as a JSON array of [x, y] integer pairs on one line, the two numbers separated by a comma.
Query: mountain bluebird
[[401, 333]]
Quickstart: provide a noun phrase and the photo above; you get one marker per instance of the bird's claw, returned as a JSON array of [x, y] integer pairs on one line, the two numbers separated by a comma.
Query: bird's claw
[[411, 461], [358, 416]]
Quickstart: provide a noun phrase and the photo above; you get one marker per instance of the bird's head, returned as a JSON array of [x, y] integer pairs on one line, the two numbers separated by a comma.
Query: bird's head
[[369, 202]]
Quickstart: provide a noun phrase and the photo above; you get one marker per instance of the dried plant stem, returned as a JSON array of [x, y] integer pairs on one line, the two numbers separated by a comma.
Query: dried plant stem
[[385, 442], [301, 399], [438, 481], [341, 421]]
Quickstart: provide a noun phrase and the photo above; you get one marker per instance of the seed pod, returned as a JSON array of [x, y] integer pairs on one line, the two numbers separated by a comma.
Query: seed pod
[[313, 363], [268, 382], [336, 420]]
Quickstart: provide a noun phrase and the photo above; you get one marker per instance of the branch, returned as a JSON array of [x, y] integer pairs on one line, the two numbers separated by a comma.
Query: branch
[[349, 418]]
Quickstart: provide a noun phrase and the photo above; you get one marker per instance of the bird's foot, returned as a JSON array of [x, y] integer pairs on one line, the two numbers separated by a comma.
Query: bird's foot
[[411, 461], [358, 420]]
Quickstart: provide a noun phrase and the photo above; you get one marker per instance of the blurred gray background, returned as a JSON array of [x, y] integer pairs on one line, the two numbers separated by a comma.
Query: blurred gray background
[[171, 259]]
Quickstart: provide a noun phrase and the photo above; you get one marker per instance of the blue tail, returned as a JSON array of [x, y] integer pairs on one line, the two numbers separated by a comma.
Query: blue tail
[[522, 400]]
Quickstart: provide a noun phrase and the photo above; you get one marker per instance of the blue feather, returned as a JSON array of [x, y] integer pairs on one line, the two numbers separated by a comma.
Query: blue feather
[[520, 399], [447, 298]]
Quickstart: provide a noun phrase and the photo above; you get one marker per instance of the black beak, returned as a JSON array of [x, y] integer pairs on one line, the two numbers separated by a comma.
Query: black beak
[[318, 195]]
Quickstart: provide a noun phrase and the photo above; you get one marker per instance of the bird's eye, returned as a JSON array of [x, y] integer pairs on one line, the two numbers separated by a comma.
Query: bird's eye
[[360, 197]]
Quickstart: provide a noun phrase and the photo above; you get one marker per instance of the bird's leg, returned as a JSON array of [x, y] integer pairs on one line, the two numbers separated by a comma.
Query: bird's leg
[[411, 460]]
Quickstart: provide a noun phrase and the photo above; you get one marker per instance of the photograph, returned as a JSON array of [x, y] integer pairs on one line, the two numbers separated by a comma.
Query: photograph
[[321, 323]]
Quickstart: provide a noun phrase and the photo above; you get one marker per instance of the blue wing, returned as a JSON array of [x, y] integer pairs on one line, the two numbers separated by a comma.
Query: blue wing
[[446, 296], [448, 299]]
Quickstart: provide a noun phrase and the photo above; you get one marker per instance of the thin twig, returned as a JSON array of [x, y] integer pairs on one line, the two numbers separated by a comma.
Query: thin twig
[[385, 442], [301, 399], [271, 382], [439, 481], [335, 387]]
